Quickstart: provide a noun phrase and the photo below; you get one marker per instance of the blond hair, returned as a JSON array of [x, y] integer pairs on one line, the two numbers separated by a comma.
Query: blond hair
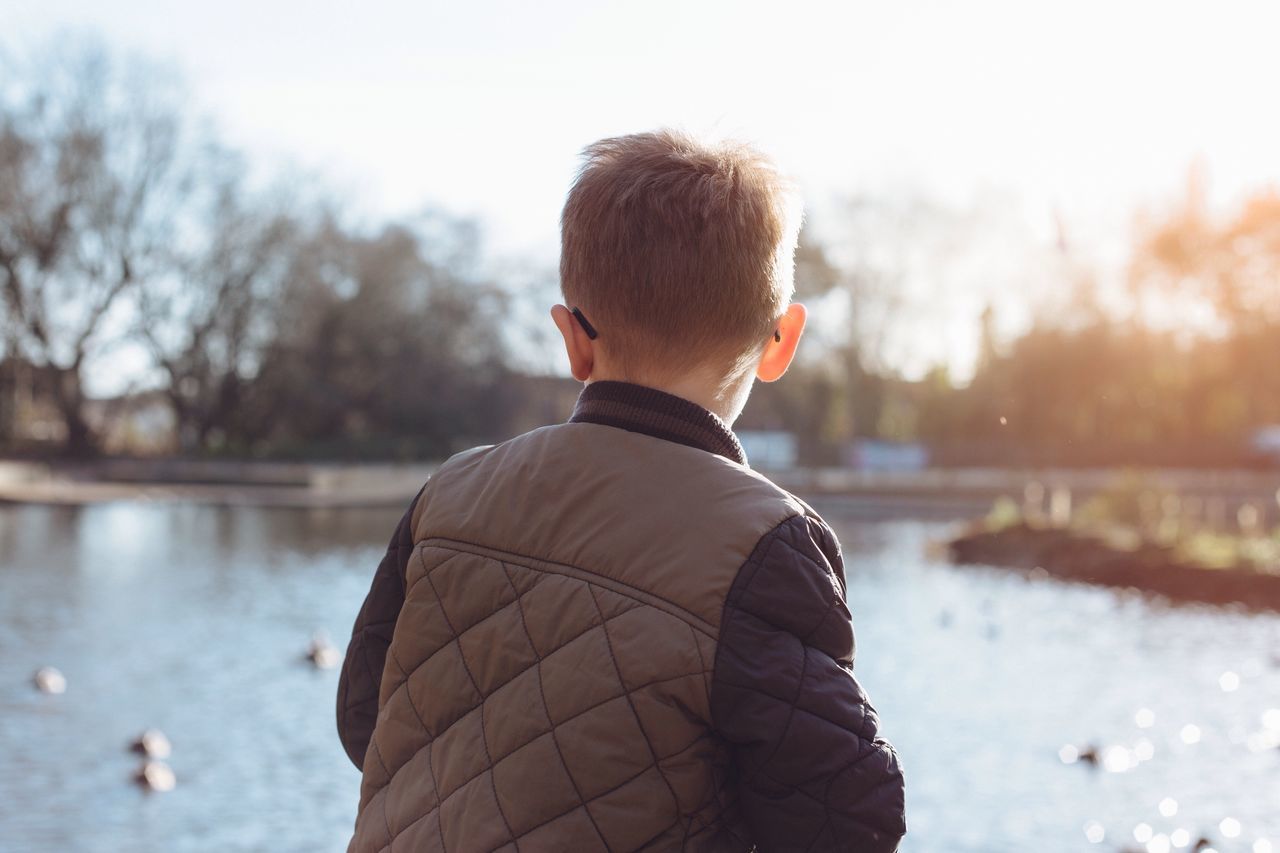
[[679, 252]]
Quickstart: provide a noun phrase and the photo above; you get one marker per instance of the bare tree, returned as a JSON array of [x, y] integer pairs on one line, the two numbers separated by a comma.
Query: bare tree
[[207, 316], [88, 179]]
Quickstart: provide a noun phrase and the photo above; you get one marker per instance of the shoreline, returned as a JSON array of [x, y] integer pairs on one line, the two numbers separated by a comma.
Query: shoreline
[[84, 494], [216, 483], [941, 493]]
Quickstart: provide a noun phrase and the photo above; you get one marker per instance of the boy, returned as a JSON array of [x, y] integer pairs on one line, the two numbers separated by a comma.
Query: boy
[[611, 634]]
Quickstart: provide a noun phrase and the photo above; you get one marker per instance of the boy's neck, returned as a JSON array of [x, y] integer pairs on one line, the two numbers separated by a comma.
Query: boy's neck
[[723, 399]]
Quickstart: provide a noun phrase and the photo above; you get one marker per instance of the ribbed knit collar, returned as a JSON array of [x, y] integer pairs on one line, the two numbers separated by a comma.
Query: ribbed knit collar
[[640, 408]]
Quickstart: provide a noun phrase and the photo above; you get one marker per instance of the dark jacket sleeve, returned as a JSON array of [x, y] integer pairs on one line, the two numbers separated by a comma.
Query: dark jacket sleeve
[[812, 772], [361, 676]]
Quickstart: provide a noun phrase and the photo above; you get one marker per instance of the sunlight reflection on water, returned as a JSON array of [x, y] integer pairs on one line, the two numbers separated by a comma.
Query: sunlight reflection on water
[[980, 719]]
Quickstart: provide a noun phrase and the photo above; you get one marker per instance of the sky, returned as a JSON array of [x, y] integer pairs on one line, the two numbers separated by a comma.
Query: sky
[[1082, 110]]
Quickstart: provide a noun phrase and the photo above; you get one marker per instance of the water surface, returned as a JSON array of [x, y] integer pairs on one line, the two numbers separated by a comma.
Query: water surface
[[195, 619]]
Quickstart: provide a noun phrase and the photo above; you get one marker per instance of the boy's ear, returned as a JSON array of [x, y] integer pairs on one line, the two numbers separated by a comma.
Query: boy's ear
[[580, 348], [779, 352]]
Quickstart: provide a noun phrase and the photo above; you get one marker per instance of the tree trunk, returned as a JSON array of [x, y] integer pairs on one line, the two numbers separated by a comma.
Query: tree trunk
[[80, 439]]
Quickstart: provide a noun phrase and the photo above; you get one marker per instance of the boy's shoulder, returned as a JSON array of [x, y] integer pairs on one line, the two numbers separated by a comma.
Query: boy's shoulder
[[580, 456], [594, 446]]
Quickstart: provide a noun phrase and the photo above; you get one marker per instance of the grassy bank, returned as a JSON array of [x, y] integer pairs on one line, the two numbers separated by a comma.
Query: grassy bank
[[1136, 535]]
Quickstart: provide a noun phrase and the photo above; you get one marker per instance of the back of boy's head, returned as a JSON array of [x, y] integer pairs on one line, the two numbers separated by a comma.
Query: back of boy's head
[[679, 252]]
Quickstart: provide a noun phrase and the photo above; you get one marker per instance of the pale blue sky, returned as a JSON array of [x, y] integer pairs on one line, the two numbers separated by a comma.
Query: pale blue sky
[[483, 105], [1088, 107]]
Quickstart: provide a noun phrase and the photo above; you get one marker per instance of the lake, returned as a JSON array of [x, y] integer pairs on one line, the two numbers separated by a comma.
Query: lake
[[195, 620]]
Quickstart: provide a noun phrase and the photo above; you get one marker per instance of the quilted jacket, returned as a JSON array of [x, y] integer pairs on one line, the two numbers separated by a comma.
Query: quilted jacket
[[611, 635]]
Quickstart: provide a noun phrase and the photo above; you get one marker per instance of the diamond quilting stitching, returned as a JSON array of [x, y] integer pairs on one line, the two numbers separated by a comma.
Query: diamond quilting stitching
[[600, 622], [546, 710], [483, 739], [653, 753]]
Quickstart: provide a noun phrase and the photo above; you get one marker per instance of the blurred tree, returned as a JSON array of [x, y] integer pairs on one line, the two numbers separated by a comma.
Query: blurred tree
[[385, 351], [207, 317], [89, 180], [892, 250], [1229, 263], [1193, 264]]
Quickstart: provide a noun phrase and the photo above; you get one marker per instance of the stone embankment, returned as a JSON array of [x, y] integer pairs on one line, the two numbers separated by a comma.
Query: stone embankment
[[216, 483]]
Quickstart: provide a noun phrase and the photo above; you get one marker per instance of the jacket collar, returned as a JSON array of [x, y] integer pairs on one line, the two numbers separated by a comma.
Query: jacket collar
[[639, 408]]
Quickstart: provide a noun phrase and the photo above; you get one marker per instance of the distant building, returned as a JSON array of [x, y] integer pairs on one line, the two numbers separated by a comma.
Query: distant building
[[1265, 443], [30, 421], [770, 450], [875, 455], [29, 413]]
